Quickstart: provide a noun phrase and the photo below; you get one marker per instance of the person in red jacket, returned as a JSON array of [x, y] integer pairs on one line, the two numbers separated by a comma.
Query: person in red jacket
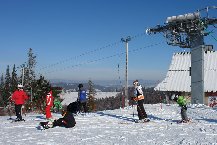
[[19, 97], [49, 104]]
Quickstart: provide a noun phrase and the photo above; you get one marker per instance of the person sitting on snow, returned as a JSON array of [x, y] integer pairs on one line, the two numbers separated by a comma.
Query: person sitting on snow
[[67, 121], [183, 104]]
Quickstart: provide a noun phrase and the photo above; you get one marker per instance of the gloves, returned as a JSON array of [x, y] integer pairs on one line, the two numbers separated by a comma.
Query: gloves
[[134, 98]]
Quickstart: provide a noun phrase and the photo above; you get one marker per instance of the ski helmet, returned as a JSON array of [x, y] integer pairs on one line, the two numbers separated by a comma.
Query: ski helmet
[[174, 97], [135, 82]]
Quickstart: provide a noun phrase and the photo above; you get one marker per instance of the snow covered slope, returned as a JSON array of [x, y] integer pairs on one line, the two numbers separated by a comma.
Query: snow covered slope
[[116, 127]]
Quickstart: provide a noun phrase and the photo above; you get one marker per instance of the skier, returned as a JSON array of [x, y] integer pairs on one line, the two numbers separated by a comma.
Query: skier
[[67, 121], [139, 97], [49, 104], [82, 98], [57, 105], [183, 104], [19, 97]]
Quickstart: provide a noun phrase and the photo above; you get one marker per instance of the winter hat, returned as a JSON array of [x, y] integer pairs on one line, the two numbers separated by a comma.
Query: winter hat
[[135, 82], [50, 93], [174, 97], [80, 85]]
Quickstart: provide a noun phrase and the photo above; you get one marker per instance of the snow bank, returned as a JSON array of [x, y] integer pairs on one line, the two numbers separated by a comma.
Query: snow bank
[[72, 96]]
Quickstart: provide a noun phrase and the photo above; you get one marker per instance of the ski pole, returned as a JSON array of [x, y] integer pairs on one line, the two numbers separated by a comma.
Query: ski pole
[[133, 111]]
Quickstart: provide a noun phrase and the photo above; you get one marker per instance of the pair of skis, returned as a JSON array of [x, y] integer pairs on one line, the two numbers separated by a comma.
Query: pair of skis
[[135, 121], [17, 120]]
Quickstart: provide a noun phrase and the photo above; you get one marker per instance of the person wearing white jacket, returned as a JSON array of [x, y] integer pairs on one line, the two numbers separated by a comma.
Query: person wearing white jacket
[[139, 97]]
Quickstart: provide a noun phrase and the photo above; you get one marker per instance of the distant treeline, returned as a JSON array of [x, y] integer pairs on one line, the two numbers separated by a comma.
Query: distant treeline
[[115, 102]]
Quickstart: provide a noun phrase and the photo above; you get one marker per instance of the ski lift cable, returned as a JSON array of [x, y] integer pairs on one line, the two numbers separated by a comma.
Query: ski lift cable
[[101, 59], [90, 52]]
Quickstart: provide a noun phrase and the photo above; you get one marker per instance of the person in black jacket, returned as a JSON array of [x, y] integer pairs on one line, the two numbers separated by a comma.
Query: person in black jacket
[[67, 121]]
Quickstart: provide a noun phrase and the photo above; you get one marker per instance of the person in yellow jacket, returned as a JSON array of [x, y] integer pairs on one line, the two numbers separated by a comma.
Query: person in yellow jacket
[[139, 97]]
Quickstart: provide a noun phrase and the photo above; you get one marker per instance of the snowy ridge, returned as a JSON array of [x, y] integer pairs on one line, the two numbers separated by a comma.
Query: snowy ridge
[[117, 127]]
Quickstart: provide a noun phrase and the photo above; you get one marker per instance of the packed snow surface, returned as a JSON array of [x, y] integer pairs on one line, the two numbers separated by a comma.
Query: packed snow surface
[[116, 127]]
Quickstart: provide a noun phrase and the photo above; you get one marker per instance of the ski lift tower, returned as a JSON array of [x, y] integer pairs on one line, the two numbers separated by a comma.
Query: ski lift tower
[[188, 31]]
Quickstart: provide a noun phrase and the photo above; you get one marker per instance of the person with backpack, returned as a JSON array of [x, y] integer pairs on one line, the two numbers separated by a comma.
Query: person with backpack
[[139, 97], [183, 104], [82, 98], [19, 97], [49, 105]]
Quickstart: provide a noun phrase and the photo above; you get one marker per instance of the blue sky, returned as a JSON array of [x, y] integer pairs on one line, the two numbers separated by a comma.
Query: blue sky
[[80, 39]]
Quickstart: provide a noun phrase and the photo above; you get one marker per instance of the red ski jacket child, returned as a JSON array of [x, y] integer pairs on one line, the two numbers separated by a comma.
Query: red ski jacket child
[[19, 97], [49, 99], [49, 104]]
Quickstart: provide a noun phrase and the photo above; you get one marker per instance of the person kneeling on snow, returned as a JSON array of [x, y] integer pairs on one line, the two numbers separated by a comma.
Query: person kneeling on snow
[[67, 121], [183, 104]]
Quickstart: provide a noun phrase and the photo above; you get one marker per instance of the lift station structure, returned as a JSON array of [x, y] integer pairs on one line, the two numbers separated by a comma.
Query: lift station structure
[[188, 31]]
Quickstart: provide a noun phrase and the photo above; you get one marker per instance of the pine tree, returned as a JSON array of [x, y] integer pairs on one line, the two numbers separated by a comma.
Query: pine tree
[[6, 91], [31, 65], [91, 100], [2, 81], [14, 80], [29, 75], [91, 88], [40, 89], [1, 90]]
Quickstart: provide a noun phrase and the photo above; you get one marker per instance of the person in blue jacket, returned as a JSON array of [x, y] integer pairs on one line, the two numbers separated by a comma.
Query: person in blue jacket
[[82, 98]]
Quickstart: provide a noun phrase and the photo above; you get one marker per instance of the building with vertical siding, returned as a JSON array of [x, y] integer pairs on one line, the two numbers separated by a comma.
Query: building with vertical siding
[[178, 78]]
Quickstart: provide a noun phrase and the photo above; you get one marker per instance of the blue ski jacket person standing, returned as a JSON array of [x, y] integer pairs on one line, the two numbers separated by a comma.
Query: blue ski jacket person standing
[[82, 98]]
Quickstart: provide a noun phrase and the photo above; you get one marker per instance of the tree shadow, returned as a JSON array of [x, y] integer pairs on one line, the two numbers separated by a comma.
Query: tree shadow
[[124, 118], [207, 120], [132, 119]]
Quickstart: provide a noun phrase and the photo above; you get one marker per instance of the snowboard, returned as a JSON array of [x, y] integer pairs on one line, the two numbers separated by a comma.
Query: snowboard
[[134, 121]]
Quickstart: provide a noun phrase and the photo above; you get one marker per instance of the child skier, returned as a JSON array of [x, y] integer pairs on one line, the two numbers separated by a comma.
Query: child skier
[[183, 104], [49, 104]]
